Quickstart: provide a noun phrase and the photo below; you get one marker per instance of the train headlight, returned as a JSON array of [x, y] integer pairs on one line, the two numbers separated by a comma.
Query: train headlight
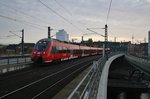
[[43, 52]]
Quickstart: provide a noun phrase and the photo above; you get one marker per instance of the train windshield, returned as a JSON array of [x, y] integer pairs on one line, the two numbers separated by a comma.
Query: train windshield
[[41, 46]]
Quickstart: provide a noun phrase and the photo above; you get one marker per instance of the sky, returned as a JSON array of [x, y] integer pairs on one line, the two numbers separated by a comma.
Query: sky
[[127, 18]]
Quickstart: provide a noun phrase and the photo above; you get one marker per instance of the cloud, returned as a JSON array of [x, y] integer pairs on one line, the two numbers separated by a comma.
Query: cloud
[[147, 1], [126, 16]]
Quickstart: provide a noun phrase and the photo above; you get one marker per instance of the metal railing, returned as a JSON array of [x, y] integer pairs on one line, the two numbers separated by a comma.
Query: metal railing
[[84, 88], [140, 57], [88, 87], [14, 60]]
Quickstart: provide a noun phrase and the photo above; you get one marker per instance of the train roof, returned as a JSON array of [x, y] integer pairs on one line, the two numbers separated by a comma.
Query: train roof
[[56, 40], [49, 40]]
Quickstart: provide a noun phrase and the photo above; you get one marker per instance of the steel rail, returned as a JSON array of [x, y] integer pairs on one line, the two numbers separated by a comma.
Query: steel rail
[[81, 82], [36, 96], [78, 85], [37, 81]]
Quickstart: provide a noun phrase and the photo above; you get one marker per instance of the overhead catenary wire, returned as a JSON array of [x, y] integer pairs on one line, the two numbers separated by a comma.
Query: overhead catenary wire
[[108, 11], [95, 32], [60, 16], [8, 36], [63, 7], [22, 12], [15, 34], [23, 22], [16, 10], [69, 12]]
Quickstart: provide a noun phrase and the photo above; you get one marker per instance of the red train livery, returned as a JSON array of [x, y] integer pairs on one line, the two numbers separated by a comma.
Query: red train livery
[[48, 50]]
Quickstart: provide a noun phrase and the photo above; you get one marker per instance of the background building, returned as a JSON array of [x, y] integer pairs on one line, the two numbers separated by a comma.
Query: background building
[[15, 49], [62, 35], [138, 49], [114, 46]]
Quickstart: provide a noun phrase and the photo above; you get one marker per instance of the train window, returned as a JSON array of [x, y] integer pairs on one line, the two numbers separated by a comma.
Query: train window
[[80, 51], [54, 50], [85, 51], [67, 50], [60, 48], [41, 46], [63, 50], [57, 48], [74, 51], [71, 51], [77, 51]]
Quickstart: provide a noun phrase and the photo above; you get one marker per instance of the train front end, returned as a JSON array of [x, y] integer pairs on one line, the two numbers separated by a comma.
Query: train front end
[[41, 51]]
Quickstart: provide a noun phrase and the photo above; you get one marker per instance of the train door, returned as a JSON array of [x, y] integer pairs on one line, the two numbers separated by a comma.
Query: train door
[[54, 52], [82, 52], [71, 53]]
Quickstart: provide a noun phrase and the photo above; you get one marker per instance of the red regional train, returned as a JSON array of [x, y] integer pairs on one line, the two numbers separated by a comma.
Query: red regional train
[[48, 50]]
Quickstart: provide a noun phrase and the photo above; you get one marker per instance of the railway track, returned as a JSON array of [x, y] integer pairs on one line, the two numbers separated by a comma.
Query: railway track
[[42, 82]]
